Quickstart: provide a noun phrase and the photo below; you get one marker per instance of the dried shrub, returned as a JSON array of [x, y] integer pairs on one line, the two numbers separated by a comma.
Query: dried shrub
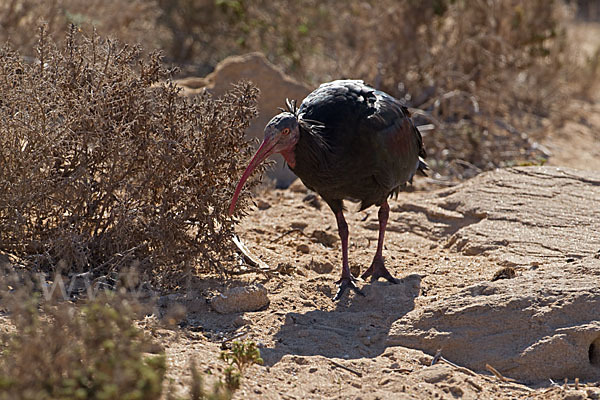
[[132, 21], [103, 167], [483, 71], [59, 351]]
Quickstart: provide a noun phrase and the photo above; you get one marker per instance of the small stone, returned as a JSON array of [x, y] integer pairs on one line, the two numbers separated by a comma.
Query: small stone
[[240, 321], [241, 299], [321, 267], [325, 289], [384, 381], [312, 200], [298, 225], [262, 205], [434, 374], [303, 248], [325, 238], [312, 370], [298, 187], [575, 395], [300, 360], [504, 273], [355, 269]]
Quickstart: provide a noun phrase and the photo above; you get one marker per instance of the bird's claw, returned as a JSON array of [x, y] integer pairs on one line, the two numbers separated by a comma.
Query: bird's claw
[[345, 283], [378, 270]]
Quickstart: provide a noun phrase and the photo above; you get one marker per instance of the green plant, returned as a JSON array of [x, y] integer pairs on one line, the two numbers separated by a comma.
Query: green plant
[[241, 356]]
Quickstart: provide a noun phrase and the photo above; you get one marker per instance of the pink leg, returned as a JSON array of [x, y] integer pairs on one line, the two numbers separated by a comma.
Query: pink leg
[[347, 280], [377, 268]]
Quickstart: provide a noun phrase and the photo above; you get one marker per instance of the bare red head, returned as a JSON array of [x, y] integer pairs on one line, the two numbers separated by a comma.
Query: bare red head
[[281, 136]]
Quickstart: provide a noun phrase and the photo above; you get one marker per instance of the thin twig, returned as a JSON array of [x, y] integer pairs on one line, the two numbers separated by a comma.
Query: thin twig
[[498, 374], [287, 233], [249, 257], [438, 357], [239, 335], [355, 372]]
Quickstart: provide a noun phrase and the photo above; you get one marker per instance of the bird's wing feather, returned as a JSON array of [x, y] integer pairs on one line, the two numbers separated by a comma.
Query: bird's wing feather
[[357, 142], [398, 142]]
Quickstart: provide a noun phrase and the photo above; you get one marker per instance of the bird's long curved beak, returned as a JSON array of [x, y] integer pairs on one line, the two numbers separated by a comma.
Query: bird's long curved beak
[[265, 150]]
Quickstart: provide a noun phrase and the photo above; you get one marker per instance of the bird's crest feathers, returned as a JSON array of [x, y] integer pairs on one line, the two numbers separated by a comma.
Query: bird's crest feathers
[[291, 107]]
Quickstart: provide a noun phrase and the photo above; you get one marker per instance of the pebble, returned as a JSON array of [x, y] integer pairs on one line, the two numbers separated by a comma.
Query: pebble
[[303, 248], [324, 238], [262, 205], [384, 381], [298, 187], [240, 321], [298, 225], [321, 267]]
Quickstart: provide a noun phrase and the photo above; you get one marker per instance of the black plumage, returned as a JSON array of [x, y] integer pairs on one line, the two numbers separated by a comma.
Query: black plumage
[[355, 143], [347, 141]]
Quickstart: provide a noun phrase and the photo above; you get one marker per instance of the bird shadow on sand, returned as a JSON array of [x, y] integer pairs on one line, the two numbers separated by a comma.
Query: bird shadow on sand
[[356, 328]]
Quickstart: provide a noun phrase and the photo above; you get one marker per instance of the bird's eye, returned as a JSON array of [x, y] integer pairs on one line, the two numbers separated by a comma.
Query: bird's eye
[[286, 131]]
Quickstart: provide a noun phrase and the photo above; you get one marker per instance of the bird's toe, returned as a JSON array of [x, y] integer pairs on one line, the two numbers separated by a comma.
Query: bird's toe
[[378, 270], [347, 283], [367, 273]]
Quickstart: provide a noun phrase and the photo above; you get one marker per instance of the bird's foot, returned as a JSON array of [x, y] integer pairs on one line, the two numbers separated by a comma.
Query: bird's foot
[[378, 270], [344, 283]]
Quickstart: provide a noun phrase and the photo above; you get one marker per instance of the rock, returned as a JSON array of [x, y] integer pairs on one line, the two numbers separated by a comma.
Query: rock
[[312, 200], [321, 267], [384, 381], [241, 299], [355, 269], [324, 238], [240, 321], [298, 225], [575, 395], [274, 87], [434, 374], [519, 216], [504, 273], [542, 324], [262, 205], [303, 248], [298, 187]]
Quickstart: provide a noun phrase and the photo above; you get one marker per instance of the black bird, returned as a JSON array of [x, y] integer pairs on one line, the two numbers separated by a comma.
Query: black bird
[[347, 141]]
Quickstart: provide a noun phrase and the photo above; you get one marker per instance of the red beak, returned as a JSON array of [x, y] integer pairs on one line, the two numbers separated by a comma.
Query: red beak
[[264, 151]]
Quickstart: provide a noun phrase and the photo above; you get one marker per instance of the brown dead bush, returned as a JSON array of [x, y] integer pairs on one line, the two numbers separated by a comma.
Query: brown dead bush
[[103, 167], [132, 21], [483, 71]]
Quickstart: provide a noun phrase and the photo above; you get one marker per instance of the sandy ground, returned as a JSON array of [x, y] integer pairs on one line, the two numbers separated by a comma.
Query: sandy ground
[[348, 357], [316, 348]]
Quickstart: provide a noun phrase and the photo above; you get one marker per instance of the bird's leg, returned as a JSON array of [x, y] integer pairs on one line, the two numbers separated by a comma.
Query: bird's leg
[[347, 280], [377, 268]]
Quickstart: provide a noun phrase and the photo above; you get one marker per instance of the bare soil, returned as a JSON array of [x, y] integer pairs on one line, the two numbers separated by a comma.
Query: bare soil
[[316, 348]]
